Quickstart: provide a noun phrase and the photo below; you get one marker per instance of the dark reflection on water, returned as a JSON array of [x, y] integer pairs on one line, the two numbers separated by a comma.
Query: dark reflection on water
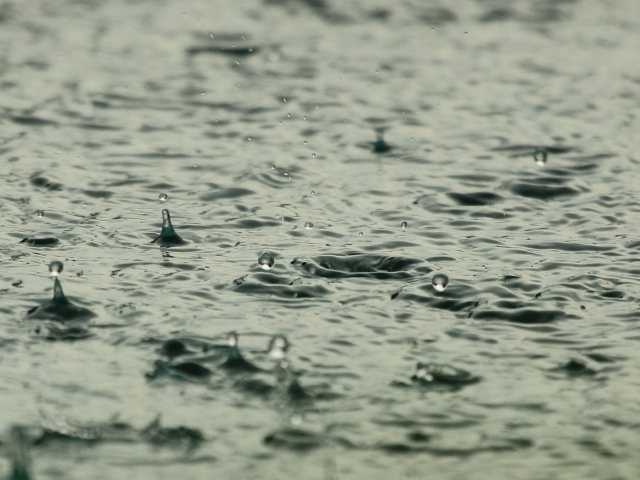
[[324, 163]]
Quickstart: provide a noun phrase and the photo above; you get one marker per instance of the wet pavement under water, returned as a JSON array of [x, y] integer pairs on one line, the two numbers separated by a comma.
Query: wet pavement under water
[[360, 150]]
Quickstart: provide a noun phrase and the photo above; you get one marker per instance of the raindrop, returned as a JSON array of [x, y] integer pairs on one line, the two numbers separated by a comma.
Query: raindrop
[[40, 213], [305, 142], [308, 226], [278, 346], [361, 234], [440, 282], [249, 138], [403, 225], [465, 33], [273, 167], [313, 192], [163, 197], [55, 268], [266, 261], [232, 339], [432, 29], [313, 155], [284, 100], [212, 36], [286, 174], [540, 156]]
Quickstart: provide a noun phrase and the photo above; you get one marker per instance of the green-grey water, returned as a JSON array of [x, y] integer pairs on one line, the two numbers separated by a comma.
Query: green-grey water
[[360, 150]]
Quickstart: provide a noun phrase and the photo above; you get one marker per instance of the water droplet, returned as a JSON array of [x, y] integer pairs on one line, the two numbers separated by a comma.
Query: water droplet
[[313, 155], [305, 142], [273, 167], [232, 339], [266, 261], [403, 225], [289, 115], [286, 174], [432, 29], [308, 226], [163, 197], [278, 346], [55, 268], [40, 213], [313, 192], [465, 33], [249, 138], [440, 282], [304, 117], [540, 156], [361, 234], [213, 36], [284, 100]]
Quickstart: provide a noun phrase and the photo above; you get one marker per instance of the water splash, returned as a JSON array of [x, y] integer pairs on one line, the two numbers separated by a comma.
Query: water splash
[[440, 282], [266, 261], [235, 361], [380, 146], [168, 235], [19, 452], [55, 268]]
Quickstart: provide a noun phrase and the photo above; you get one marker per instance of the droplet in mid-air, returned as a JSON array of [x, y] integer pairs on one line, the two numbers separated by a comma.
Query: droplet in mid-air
[[266, 261], [361, 234], [168, 235], [278, 346], [540, 156], [308, 226], [55, 268], [404, 225], [40, 213], [313, 192], [163, 197], [440, 282]]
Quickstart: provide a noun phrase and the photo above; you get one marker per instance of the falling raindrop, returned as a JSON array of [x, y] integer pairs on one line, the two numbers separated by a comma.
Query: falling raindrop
[[313, 155], [40, 213], [55, 268], [361, 234], [163, 197], [540, 156], [266, 261], [440, 282], [313, 192], [403, 225], [308, 226]]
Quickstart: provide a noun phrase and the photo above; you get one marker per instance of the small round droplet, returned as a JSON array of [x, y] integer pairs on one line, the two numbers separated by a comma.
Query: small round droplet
[[440, 282], [163, 197], [213, 36], [278, 347], [232, 339], [361, 234], [465, 33], [540, 156], [308, 226], [403, 225], [313, 155], [266, 261], [313, 192], [305, 142], [55, 268], [40, 213]]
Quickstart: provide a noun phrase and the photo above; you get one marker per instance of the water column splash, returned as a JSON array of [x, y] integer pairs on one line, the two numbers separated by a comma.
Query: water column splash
[[59, 308], [20, 454], [278, 349], [380, 146], [168, 235], [235, 361]]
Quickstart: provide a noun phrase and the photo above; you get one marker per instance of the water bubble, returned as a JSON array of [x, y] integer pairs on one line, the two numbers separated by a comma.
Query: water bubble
[[55, 268], [266, 261], [232, 339], [40, 213], [440, 282], [163, 197], [404, 225], [278, 347], [540, 156], [308, 226]]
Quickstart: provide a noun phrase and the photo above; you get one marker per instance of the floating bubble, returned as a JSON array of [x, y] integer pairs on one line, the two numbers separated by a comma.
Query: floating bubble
[[440, 282], [308, 226], [266, 261], [404, 225], [163, 197], [278, 346], [55, 268], [540, 156]]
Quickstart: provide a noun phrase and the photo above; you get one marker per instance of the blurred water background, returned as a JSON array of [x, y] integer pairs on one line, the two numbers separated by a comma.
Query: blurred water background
[[364, 146]]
